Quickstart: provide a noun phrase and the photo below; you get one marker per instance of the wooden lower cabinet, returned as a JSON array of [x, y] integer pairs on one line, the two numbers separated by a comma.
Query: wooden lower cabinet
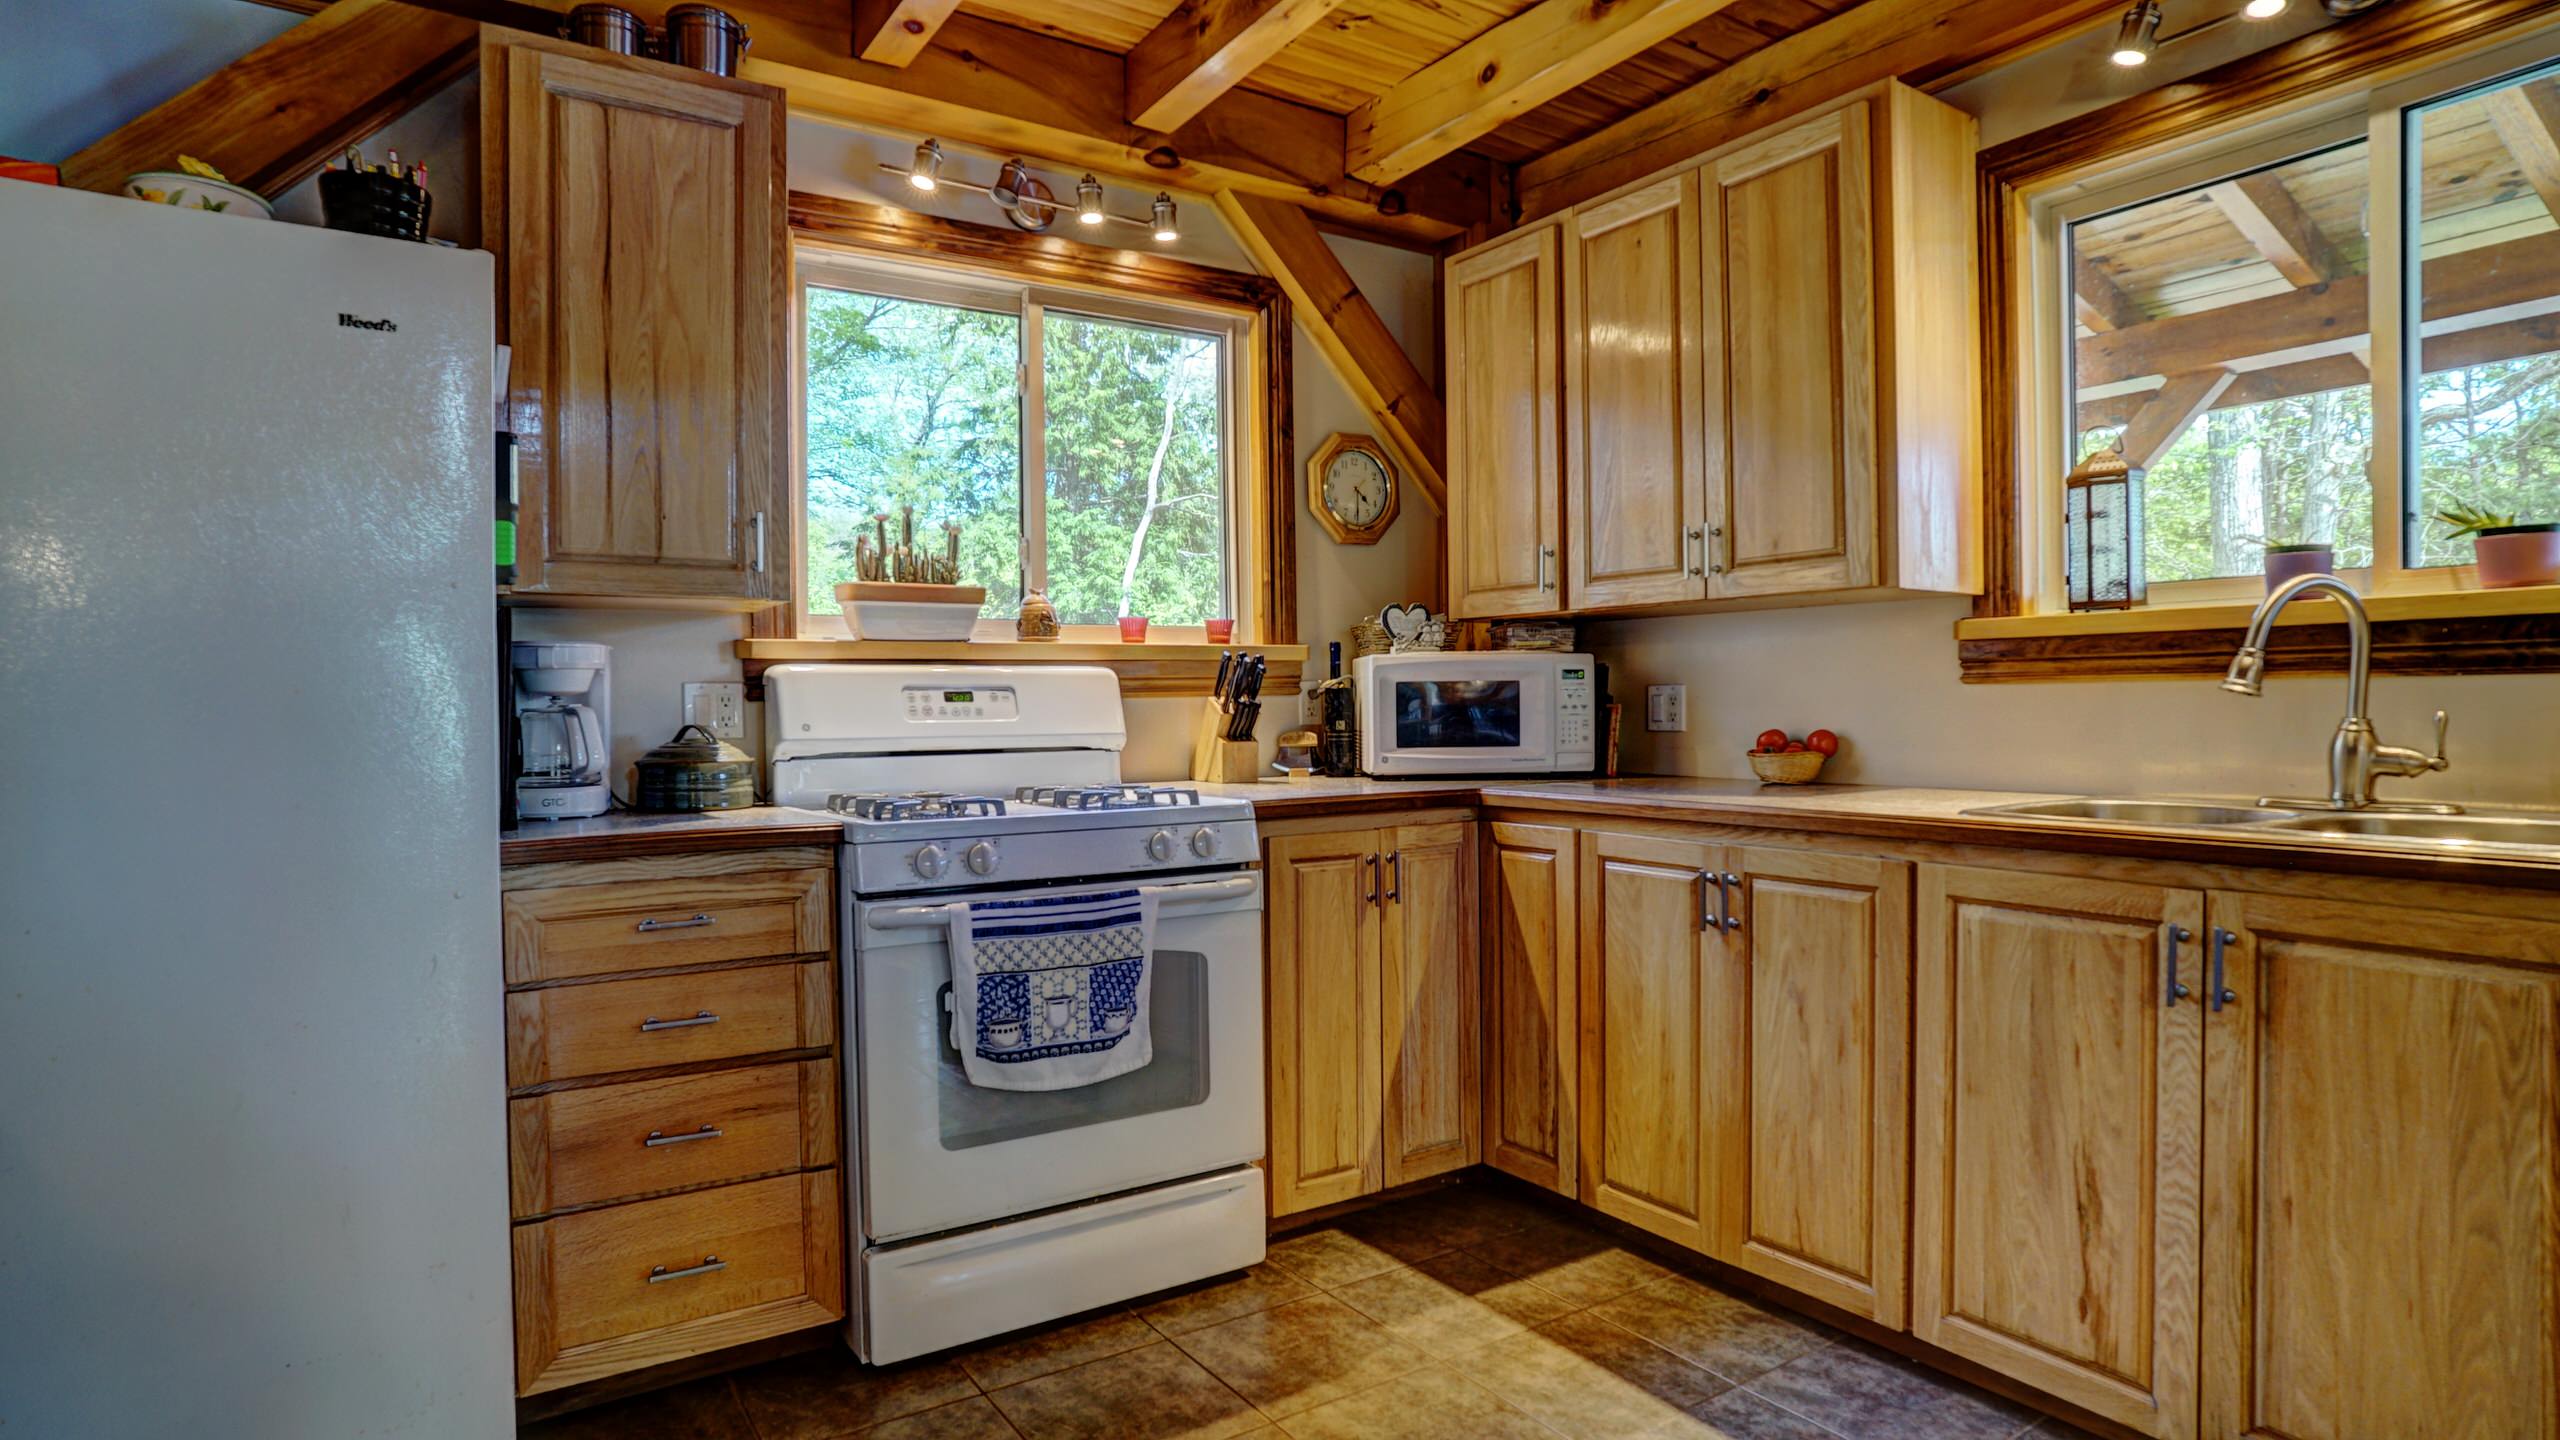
[[1531, 1051], [1646, 945], [2057, 1133], [1429, 990]]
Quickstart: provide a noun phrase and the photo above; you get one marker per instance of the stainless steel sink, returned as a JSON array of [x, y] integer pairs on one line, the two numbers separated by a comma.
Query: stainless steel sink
[[2139, 812], [2443, 829]]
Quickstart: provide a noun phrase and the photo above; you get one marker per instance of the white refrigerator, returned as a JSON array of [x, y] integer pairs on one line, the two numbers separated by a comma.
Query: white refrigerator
[[252, 1103]]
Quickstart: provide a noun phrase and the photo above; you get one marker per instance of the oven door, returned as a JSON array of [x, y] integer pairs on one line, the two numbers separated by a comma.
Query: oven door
[[1480, 713], [937, 1152]]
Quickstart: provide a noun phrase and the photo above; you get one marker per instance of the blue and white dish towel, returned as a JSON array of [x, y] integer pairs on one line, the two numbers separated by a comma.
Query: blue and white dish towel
[[1049, 992]]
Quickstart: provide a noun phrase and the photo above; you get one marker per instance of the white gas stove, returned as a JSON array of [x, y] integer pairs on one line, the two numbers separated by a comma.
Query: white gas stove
[[978, 1211]]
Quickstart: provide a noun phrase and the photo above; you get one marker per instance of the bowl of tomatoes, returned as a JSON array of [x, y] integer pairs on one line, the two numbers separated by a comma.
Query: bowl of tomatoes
[[1781, 759]]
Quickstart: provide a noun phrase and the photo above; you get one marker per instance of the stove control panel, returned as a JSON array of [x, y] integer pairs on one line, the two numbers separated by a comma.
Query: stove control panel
[[965, 861], [926, 705]]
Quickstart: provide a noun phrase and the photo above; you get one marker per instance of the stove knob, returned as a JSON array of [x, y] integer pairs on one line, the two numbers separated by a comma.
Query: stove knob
[[1160, 845], [982, 858], [931, 861], [1204, 843]]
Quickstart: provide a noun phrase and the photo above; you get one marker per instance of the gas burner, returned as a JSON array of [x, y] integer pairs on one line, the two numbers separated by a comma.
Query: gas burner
[[1105, 797], [918, 805]]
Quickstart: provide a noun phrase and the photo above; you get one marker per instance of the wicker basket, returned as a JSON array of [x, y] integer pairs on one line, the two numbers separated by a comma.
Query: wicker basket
[[1368, 637], [1788, 767]]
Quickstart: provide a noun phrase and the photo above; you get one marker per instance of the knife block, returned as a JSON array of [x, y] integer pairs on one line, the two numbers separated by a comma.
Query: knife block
[[1218, 760]]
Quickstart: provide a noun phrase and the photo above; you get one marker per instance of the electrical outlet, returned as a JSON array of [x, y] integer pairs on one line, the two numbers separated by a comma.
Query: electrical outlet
[[717, 706], [1666, 707]]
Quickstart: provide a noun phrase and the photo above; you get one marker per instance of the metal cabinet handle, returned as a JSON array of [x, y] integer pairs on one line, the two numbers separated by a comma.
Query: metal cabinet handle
[[2222, 994], [2178, 935], [661, 1137], [1546, 564], [757, 530], [1698, 536], [1395, 874], [653, 925], [1732, 918], [1718, 533], [699, 1017], [710, 1263], [1372, 896], [1707, 922]]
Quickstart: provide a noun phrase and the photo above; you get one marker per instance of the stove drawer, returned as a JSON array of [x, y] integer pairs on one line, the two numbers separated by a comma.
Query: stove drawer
[[563, 1032], [570, 1149], [606, 1291], [576, 930]]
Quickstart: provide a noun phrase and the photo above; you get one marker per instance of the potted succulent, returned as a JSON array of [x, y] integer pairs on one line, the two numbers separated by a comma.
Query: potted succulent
[[2288, 559], [2509, 553]]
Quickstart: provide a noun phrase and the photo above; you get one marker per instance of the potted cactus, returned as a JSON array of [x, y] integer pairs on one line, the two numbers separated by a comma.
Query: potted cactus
[[2508, 553], [2286, 559]]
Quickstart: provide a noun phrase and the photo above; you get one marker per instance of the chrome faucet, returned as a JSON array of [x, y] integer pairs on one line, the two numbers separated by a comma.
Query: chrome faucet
[[2357, 757]]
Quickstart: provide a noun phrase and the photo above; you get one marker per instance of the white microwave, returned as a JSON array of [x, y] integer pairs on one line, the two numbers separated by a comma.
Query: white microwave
[[1476, 712]]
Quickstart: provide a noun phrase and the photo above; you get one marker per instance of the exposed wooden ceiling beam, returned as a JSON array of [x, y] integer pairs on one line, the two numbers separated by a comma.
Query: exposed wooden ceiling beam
[[2167, 414], [2265, 214], [2507, 340], [1204, 49], [1918, 41], [893, 32], [2527, 119], [1347, 329], [270, 118], [2101, 304], [1518, 65]]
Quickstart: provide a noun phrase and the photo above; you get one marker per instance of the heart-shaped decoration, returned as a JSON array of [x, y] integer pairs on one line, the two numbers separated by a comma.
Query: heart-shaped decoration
[[1404, 621]]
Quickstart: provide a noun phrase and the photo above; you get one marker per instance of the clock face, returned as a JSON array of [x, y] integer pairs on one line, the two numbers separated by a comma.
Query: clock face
[[1355, 488]]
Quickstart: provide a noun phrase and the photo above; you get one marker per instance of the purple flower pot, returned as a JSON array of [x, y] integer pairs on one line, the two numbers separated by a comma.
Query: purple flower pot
[[2284, 565], [2518, 555]]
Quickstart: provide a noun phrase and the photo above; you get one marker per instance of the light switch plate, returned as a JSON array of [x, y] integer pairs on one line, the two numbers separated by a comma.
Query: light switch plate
[[1666, 707], [717, 706]]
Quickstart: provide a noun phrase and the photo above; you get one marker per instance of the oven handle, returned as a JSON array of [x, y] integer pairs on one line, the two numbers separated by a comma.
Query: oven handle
[[926, 917]]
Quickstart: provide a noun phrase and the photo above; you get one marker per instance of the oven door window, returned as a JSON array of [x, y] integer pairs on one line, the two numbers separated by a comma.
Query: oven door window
[[1177, 1078], [1457, 714]]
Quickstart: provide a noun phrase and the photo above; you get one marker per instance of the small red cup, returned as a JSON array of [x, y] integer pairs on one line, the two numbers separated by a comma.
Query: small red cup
[[1133, 629], [1221, 631]]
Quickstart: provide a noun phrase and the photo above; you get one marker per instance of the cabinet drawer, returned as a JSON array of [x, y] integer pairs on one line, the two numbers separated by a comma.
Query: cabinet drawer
[[605, 1291], [567, 1031], [574, 1148], [576, 930]]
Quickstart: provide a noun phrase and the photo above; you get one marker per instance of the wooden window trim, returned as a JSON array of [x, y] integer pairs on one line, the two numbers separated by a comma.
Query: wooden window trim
[[1266, 551], [2451, 631]]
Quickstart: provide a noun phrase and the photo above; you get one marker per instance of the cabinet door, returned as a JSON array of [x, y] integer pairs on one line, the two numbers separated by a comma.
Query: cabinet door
[[1786, 236], [2383, 1183], [1646, 937], [638, 215], [1635, 508], [2057, 1094], [1530, 992], [1808, 1085], [1324, 1018], [1505, 410], [1429, 986]]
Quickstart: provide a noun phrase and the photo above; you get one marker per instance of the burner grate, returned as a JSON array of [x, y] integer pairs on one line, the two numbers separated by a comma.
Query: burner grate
[[1106, 797], [918, 805]]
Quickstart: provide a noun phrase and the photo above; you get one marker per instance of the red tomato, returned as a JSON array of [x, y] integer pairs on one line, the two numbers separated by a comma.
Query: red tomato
[[1773, 739], [1824, 741], [1795, 747]]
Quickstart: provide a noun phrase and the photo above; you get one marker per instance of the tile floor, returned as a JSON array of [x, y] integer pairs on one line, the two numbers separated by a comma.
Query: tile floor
[[1468, 1313]]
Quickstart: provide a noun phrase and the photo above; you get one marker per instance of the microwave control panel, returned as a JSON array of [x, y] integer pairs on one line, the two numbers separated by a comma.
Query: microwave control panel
[[1575, 746]]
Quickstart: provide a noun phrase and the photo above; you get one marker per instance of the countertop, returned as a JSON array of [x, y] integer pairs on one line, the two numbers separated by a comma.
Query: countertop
[[626, 833]]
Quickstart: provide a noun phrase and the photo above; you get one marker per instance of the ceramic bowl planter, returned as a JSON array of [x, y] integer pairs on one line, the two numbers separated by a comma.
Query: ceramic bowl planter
[[2517, 555], [2287, 562]]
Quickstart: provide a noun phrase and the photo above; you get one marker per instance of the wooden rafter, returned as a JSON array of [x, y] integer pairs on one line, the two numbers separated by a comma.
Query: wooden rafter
[[2453, 350], [2527, 119], [2101, 304], [894, 32], [270, 118], [1347, 329], [2171, 409], [1204, 49], [1515, 67], [1917, 41], [2265, 214]]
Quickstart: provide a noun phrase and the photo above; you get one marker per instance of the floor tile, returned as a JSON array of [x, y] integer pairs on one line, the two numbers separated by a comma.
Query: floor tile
[[1741, 1415], [1727, 1334], [1327, 1257], [1869, 1394], [2052, 1429], [1409, 1230], [828, 1393], [1439, 1305], [972, 1419], [1152, 1393], [1472, 1214], [701, 1410], [1301, 1355], [1578, 1264], [1434, 1403], [1592, 1380], [1049, 1348], [1195, 1307]]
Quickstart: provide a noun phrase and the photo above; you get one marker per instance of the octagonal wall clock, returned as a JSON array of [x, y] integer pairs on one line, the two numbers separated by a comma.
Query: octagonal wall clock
[[1351, 487]]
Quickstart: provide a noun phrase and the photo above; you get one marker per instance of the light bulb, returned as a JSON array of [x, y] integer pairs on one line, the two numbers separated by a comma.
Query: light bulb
[[2263, 9], [1089, 201], [2134, 35], [1166, 234], [926, 173]]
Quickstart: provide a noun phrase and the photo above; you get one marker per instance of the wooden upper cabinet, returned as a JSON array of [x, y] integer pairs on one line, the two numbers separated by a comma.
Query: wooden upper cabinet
[[1505, 457], [1531, 1125], [1635, 507], [1646, 1041], [1326, 1093], [1430, 990], [637, 210], [2383, 1175], [2057, 1135]]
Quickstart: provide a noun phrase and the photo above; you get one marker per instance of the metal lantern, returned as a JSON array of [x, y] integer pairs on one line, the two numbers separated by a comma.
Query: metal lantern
[[2102, 533]]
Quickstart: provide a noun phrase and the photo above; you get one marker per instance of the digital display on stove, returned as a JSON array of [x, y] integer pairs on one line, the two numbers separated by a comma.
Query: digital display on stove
[[959, 697]]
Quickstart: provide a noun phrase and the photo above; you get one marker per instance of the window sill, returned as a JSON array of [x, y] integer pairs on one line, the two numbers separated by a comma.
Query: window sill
[[2462, 632], [1147, 669]]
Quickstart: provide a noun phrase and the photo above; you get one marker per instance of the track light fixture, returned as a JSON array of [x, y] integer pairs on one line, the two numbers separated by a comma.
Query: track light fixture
[[1028, 202], [2138, 32], [1166, 234], [926, 173], [1089, 200]]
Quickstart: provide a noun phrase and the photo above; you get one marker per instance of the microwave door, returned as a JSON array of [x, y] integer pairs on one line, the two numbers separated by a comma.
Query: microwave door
[[1495, 718]]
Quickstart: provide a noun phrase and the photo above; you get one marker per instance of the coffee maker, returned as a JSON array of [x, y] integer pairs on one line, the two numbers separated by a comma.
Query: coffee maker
[[563, 719]]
